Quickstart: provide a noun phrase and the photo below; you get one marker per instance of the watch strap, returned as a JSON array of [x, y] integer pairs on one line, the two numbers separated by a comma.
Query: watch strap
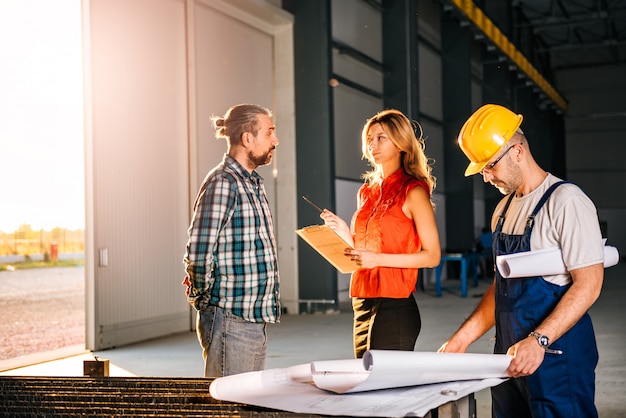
[[543, 341]]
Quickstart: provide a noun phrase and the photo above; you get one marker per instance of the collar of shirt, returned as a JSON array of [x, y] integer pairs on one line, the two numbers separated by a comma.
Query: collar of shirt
[[254, 177]]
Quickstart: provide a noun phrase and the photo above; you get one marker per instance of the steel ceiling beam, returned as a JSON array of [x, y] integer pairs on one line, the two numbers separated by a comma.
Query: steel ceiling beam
[[486, 26]]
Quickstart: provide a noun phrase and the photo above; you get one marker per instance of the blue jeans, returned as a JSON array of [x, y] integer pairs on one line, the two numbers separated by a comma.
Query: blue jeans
[[230, 344]]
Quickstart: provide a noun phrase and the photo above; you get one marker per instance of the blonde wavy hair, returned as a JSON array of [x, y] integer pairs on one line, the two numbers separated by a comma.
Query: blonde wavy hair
[[402, 133]]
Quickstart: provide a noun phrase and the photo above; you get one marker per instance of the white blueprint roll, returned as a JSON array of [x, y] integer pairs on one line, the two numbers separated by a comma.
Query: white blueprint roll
[[544, 262]]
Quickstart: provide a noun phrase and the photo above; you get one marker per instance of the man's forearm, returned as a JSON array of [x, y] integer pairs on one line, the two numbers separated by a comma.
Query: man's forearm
[[584, 291]]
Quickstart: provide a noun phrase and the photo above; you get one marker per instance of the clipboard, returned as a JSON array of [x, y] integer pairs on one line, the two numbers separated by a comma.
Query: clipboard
[[329, 245]]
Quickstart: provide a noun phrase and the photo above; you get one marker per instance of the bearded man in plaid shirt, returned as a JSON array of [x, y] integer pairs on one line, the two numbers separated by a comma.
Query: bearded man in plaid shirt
[[231, 260]]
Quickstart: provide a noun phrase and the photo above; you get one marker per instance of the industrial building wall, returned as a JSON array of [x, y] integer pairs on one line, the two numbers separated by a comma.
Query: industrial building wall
[[595, 147], [354, 50], [358, 25], [155, 71]]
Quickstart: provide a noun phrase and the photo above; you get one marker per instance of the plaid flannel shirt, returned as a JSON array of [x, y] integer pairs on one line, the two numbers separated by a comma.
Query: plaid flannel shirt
[[230, 257]]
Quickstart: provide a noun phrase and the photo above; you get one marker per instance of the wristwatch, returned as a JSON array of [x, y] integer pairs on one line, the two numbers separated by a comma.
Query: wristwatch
[[543, 341]]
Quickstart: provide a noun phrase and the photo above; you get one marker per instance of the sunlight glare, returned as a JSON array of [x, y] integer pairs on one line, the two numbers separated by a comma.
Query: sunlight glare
[[41, 115]]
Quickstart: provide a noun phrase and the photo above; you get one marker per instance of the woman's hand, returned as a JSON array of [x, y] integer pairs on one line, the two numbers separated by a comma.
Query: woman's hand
[[364, 258], [338, 225]]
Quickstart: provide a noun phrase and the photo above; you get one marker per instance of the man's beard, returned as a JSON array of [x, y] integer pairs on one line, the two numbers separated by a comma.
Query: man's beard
[[511, 182], [263, 159], [505, 189]]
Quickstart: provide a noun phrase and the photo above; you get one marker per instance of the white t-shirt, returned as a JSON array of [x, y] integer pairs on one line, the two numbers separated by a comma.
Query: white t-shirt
[[568, 220]]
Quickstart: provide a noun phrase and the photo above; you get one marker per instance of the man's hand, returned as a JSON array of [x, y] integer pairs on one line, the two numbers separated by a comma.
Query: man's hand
[[452, 346], [527, 357]]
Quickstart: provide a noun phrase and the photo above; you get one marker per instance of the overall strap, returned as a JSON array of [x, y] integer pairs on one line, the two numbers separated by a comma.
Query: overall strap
[[531, 218], [501, 217]]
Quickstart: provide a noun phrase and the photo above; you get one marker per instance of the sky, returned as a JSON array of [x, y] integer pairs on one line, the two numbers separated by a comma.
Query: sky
[[41, 115]]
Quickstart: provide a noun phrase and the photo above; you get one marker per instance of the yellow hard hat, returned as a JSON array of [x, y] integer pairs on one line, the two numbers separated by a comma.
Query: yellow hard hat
[[485, 133]]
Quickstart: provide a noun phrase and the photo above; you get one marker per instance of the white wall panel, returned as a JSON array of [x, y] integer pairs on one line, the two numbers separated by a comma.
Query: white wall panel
[[233, 65], [432, 133], [357, 71], [139, 155], [243, 53], [352, 109], [430, 87], [359, 25], [346, 192], [155, 72]]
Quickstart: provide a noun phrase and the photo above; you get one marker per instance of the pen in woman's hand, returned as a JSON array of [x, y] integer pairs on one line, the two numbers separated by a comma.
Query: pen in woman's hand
[[313, 204]]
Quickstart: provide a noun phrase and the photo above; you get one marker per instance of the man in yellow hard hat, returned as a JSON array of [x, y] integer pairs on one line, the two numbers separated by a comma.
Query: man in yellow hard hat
[[542, 321]]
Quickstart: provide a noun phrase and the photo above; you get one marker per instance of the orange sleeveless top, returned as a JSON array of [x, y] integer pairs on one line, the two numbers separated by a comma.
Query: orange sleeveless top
[[381, 226]]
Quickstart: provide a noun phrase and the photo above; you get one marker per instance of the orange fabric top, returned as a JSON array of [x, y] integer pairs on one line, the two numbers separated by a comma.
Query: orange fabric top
[[381, 226]]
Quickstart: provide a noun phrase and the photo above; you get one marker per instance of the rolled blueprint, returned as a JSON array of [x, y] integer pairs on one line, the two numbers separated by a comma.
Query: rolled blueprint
[[384, 383], [544, 262]]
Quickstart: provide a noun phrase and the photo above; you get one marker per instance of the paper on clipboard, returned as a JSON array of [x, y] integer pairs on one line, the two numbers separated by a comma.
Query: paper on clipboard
[[329, 245]]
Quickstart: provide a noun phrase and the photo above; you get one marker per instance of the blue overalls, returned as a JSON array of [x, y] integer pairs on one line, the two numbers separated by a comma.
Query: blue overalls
[[564, 384]]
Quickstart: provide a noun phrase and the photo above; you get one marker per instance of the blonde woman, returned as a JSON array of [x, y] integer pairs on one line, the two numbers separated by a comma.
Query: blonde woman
[[393, 233]]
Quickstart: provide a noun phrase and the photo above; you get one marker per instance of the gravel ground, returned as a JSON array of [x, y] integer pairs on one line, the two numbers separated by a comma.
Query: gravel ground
[[41, 310]]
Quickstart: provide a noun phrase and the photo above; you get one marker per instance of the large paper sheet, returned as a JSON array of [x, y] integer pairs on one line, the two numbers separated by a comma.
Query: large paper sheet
[[544, 262], [329, 245], [383, 383]]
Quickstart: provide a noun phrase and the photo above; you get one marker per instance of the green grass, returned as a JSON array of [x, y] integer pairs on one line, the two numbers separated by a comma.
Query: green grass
[[41, 264]]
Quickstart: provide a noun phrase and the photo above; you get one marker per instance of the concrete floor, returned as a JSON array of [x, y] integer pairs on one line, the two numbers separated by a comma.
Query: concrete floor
[[303, 338]]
